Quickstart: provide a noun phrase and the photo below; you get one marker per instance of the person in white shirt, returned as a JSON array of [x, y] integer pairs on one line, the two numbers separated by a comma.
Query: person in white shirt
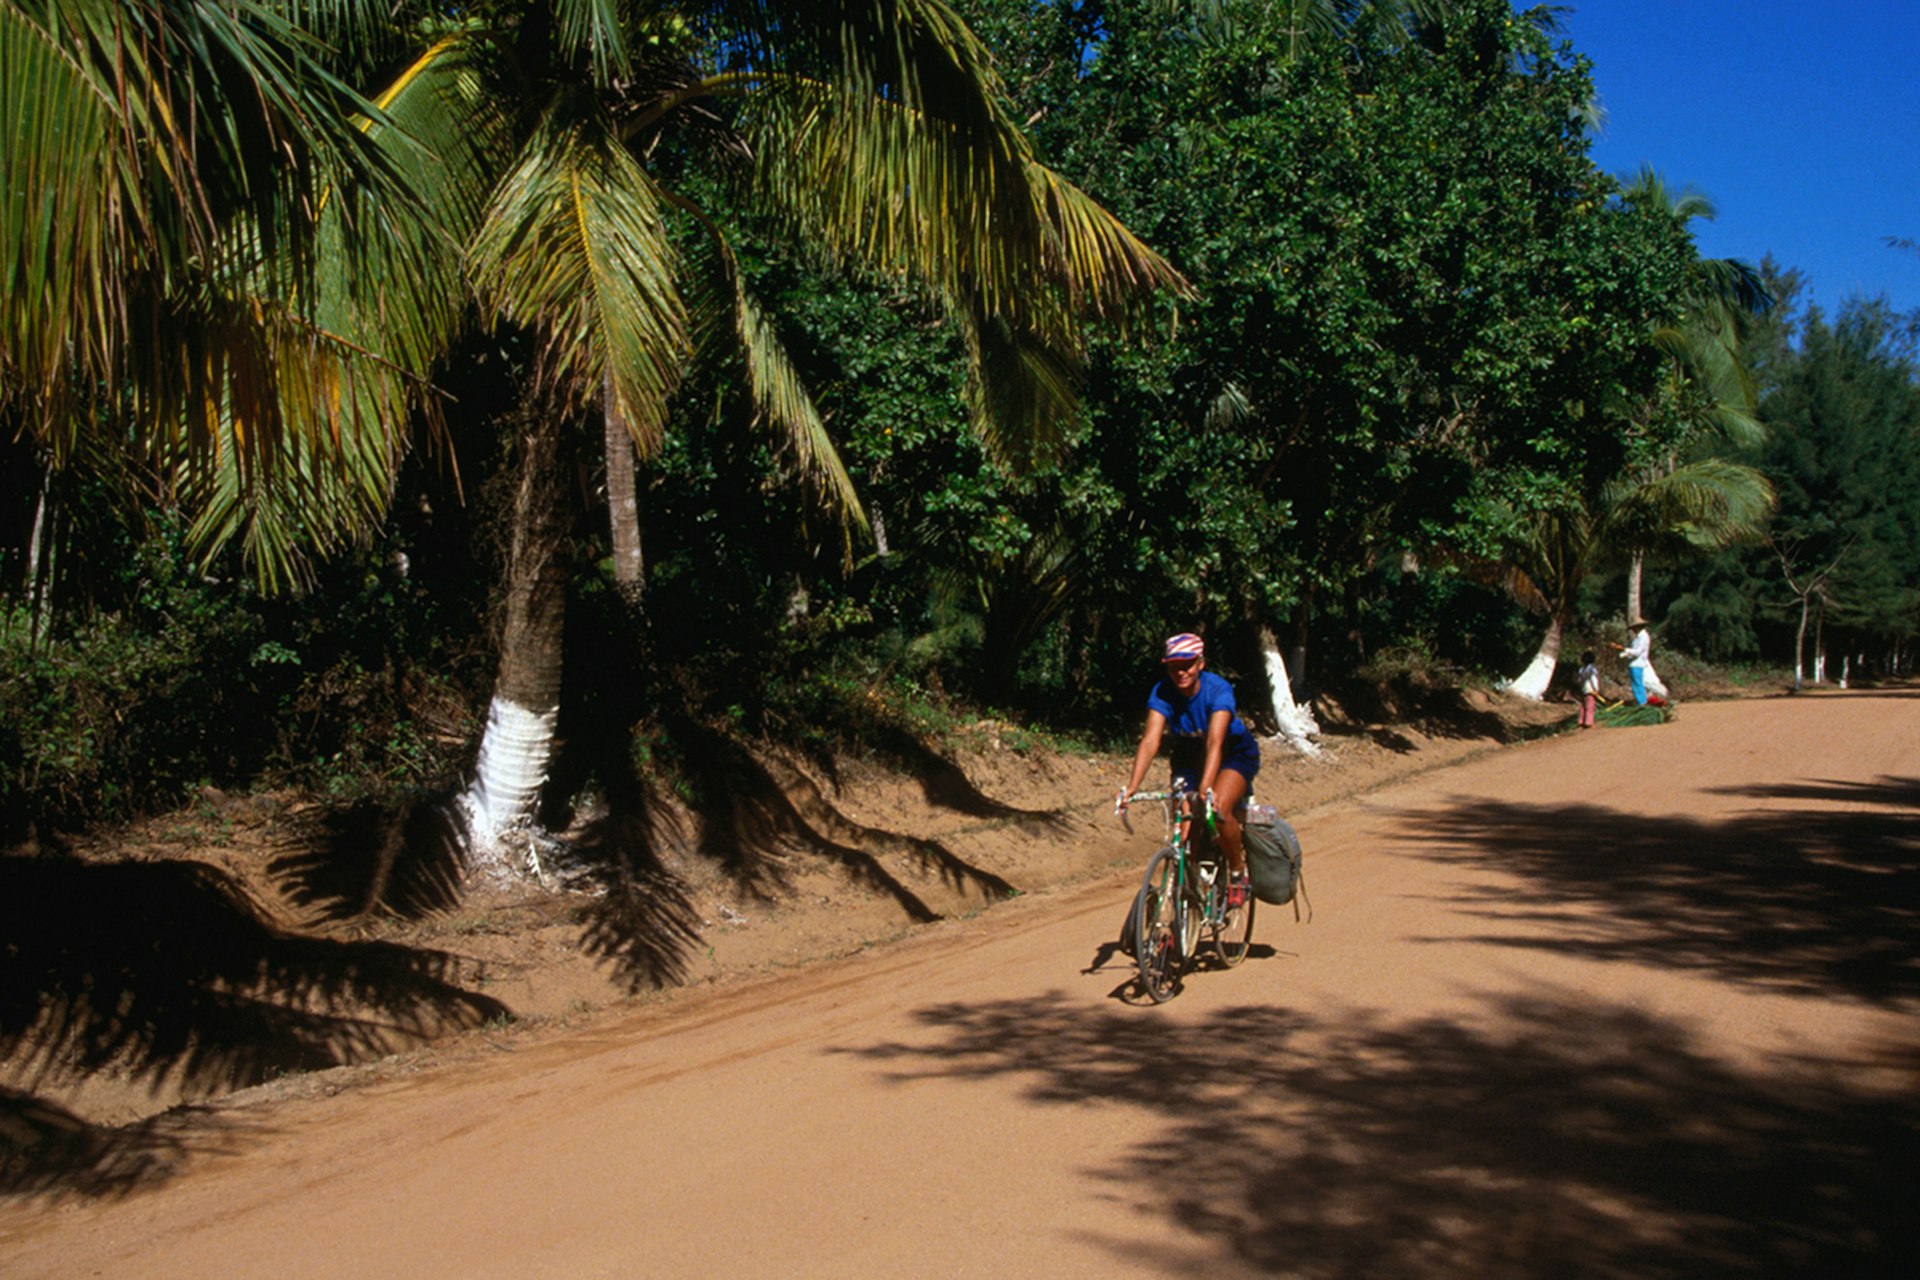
[[1638, 652]]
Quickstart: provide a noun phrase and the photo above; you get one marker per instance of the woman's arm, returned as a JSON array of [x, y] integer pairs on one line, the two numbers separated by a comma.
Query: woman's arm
[[1149, 748], [1217, 726]]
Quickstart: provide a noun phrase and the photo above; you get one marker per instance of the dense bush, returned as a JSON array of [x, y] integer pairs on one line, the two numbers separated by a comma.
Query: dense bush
[[199, 680]]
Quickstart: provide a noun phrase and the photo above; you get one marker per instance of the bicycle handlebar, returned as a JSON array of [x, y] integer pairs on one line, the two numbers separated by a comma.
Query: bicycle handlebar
[[1176, 794]]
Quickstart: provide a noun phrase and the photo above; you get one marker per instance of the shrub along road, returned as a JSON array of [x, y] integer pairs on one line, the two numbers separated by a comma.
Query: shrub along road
[[1634, 1002]]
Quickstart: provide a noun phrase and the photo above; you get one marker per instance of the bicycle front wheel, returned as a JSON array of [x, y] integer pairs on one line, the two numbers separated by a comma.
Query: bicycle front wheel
[[1157, 926]]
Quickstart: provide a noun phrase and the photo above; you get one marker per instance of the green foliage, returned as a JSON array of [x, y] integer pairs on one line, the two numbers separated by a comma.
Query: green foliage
[[129, 710], [1841, 402], [1420, 308], [1424, 329], [1627, 715], [199, 680], [1846, 452]]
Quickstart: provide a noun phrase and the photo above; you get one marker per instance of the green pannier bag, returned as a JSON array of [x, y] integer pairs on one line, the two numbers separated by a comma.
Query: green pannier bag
[[1273, 860]]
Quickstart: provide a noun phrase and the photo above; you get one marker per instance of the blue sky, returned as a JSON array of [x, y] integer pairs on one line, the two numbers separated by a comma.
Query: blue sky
[[1799, 121]]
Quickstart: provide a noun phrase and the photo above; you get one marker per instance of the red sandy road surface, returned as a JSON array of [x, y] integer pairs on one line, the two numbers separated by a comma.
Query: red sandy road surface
[[1624, 1003]]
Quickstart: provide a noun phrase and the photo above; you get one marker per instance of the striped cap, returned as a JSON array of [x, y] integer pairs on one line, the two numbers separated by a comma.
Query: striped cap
[[1182, 647]]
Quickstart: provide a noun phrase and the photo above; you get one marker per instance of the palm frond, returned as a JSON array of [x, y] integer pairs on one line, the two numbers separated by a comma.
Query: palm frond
[[725, 311], [1707, 504], [295, 437], [886, 136], [393, 272], [1734, 284], [155, 150], [62, 249], [1228, 410], [574, 246], [782, 401], [965, 209], [593, 31], [1022, 391]]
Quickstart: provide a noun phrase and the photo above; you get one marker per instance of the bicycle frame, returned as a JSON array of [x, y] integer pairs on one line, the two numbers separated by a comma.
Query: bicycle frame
[[1179, 822], [1182, 893]]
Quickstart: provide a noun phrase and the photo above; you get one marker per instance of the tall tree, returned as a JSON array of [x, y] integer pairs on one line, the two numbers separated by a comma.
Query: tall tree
[[872, 133], [1419, 302], [1844, 418], [1707, 400], [202, 212]]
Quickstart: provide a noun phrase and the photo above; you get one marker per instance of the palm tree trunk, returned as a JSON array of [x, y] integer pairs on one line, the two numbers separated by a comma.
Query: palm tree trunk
[[518, 744], [1295, 723], [1532, 683], [623, 505], [40, 566], [1635, 573]]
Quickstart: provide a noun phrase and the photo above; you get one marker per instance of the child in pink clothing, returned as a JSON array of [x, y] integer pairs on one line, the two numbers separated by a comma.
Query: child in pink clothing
[[1589, 678]]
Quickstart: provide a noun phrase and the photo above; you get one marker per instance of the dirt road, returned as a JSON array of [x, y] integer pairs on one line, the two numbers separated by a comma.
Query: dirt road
[[1625, 1003]]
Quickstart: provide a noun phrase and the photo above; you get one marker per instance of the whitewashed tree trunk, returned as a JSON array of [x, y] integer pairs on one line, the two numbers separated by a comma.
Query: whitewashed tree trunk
[[504, 797], [1800, 646], [508, 776], [1297, 727], [1532, 683], [1655, 684]]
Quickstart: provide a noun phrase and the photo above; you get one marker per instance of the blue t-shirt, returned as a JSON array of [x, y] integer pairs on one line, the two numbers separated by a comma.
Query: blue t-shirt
[[1187, 720]]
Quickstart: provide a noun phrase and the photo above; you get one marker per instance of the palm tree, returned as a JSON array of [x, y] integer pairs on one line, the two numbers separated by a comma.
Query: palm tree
[[1706, 505], [607, 151], [1709, 389], [1685, 500], [263, 268], [162, 242]]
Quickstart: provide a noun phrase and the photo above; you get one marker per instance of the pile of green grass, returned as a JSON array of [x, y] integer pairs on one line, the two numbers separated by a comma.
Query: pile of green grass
[[1625, 715]]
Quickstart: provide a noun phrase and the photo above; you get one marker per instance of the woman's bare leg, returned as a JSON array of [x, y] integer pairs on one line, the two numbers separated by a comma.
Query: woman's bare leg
[[1229, 792]]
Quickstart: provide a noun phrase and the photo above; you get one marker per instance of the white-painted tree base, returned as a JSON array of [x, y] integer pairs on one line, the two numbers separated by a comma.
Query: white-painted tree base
[[1655, 684], [1532, 683], [505, 793], [1298, 728]]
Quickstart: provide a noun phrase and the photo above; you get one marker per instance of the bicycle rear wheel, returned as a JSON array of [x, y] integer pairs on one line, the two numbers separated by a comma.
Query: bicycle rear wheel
[[1157, 928], [1234, 934]]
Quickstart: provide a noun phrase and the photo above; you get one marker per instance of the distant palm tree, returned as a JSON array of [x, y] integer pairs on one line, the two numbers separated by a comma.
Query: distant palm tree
[[1706, 505], [1709, 384]]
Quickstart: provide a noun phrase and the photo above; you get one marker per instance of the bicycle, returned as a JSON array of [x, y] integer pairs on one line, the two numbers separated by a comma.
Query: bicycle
[[1183, 892]]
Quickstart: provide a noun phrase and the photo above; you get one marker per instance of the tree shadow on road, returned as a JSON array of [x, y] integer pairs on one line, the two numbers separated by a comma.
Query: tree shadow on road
[[1573, 1139], [48, 1151], [169, 972], [1817, 900], [1557, 1134]]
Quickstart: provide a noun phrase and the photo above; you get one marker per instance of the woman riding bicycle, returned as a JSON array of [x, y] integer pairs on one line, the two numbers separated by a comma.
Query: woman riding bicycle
[[1213, 752]]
